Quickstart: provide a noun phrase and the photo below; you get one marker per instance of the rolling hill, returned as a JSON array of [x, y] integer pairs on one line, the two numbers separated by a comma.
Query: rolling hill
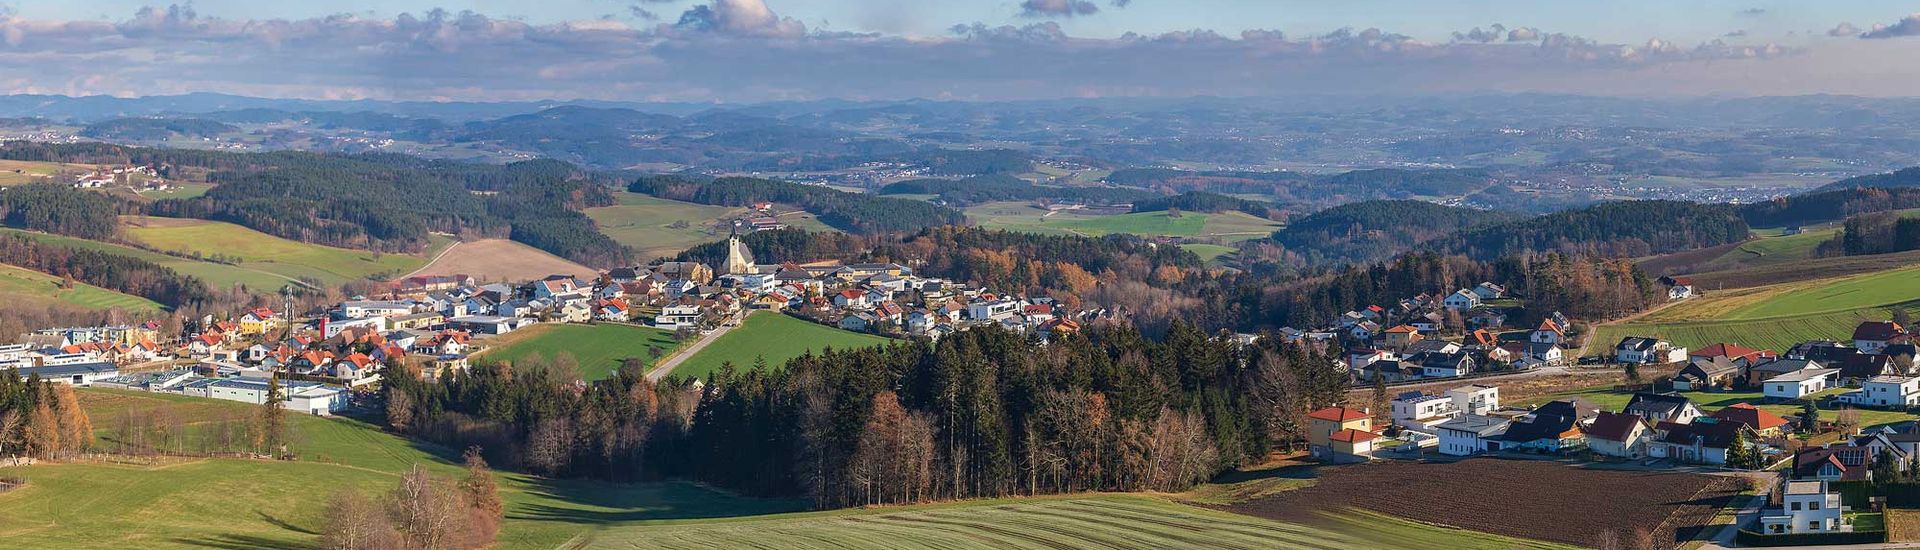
[[771, 336], [1780, 315], [34, 285], [262, 252]]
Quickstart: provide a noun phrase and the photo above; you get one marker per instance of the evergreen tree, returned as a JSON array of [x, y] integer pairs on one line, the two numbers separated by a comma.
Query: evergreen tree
[[1739, 454], [1809, 417], [273, 420]]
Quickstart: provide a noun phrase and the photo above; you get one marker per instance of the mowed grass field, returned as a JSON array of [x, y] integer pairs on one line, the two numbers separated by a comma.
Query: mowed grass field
[[271, 254], [774, 337], [657, 227], [227, 503], [217, 275], [1025, 217], [599, 349], [21, 172], [1777, 316], [18, 281], [1094, 521]]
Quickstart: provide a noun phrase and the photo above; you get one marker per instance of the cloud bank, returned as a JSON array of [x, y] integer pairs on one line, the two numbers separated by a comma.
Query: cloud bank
[[743, 50]]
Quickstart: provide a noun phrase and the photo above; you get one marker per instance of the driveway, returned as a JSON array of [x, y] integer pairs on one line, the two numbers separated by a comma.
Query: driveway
[[666, 367]]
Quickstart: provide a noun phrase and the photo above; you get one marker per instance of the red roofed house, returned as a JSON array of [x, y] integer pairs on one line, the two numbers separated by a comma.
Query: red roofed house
[[1873, 336], [1741, 355], [1548, 333], [1401, 336], [1762, 422], [850, 299], [1332, 424], [1351, 445], [1618, 434]]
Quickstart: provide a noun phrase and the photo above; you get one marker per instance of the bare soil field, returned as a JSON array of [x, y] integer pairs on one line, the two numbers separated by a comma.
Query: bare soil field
[[1540, 500], [500, 260], [1679, 263], [1801, 270]]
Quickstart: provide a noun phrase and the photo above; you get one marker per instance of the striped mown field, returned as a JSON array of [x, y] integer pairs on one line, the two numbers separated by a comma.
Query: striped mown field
[[1103, 521], [1777, 316]]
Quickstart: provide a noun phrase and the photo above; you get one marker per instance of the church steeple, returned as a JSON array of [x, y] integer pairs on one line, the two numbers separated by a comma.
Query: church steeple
[[739, 259]]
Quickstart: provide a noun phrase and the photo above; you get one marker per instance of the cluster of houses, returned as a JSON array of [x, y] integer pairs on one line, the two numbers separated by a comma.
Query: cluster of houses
[[1410, 346], [108, 176]]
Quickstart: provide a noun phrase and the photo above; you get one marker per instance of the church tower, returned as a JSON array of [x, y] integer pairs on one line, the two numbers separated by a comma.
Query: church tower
[[739, 259]]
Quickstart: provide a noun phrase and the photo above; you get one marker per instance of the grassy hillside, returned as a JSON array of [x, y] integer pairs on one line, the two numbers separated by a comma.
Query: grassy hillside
[[599, 349], [19, 172], [17, 281], [1778, 316], [217, 275], [262, 504], [772, 336], [267, 253], [657, 227], [266, 504]]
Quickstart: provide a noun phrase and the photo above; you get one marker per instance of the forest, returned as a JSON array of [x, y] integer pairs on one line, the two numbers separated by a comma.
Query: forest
[[40, 419], [1614, 229], [1375, 230], [106, 270], [383, 202], [1201, 201], [1876, 233], [983, 413], [63, 210], [851, 212], [1829, 205]]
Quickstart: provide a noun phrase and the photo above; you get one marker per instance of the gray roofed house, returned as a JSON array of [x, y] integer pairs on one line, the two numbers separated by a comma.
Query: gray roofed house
[[1662, 407]]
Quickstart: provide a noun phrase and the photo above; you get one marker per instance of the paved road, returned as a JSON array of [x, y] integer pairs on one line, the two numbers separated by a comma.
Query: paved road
[[667, 366]]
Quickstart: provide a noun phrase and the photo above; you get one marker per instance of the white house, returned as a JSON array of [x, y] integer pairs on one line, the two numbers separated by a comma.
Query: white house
[[487, 324], [1461, 300], [1475, 399], [1798, 384], [1805, 507], [1470, 434], [1646, 351], [1887, 391], [676, 317], [1421, 412], [361, 309], [1489, 291], [992, 309]]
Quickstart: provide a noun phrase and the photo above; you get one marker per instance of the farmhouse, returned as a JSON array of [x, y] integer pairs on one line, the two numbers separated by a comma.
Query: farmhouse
[[1679, 288], [1798, 384], [1805, 507]]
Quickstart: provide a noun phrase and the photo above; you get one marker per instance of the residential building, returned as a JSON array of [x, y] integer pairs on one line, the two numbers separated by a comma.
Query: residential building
[[1703, 441], [1886, 391], [1618, 434], [1662, 407], [1762, 423], [1476, 399], [1421, 412], [1470, 434], [1805, 507], [1329, 423], [1703, 373], [1872, 336], [1461, 300], [1760, 373], [1550, 428], [1647, 351], [1796, 385]]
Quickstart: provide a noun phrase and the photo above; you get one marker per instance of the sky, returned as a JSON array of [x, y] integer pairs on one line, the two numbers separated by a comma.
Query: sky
[[741, 51]]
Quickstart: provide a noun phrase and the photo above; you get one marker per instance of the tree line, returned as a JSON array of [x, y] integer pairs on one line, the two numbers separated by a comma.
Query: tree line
[[1001, 187], [1201, 201], [852, 212], [126, 274], [63, 210], [1875, 233], [380, 201], [41, 420], [981, 413]]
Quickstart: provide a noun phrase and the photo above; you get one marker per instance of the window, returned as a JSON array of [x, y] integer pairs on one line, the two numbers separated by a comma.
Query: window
[[1796, 506], [1813, 506], [1814, 525]]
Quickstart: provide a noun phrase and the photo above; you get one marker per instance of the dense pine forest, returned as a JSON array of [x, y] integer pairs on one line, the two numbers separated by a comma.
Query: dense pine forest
[[983, 413], [1822, 206], [60, 209], [1200, 201], [1376, 230], [852, 212], [1614, 229]]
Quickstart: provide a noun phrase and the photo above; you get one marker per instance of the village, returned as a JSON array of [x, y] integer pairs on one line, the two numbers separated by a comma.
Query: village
[[432, 325]]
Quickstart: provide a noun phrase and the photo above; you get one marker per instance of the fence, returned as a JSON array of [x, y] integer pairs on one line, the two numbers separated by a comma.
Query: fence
[[1750, 538]]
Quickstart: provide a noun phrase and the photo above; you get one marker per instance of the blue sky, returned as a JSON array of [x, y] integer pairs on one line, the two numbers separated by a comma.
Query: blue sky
[[1619, 20], [760, 50]]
